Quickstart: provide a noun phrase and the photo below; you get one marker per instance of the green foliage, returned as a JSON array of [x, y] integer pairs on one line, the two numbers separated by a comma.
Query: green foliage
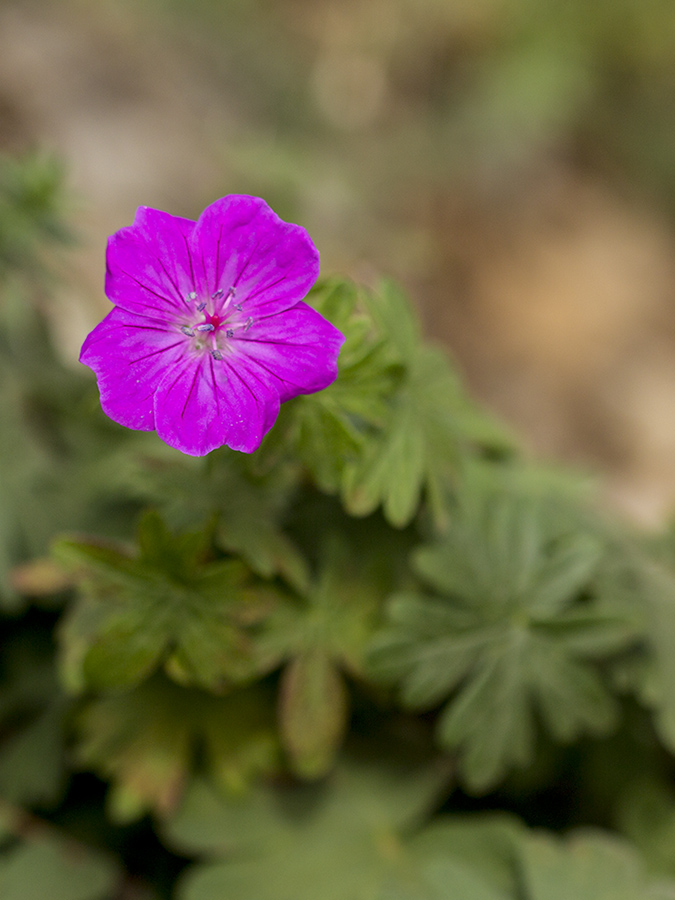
[[231, 657], [332, 428], [359, 837], [55, 455], [638, 578], [31, 202], [591, 866], [37, 862], [317, 637], [169, 605], [32, 735], [646, 814], [147, 741], [507, 631], [344, 839], [246, 510], [396, 425]]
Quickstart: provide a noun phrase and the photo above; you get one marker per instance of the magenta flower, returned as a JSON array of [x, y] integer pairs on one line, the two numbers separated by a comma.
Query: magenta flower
[[209, 334]]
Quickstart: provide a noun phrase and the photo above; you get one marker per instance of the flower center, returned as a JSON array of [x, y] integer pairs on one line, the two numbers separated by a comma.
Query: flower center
[[214, 320], [210, 334]]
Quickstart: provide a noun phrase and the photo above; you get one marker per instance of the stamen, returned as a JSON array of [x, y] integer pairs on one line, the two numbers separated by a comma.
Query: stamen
[[207, 326], [216, 354], [230, 332], [201, 306], [192, 295], [248, 324], [228, 296], [238, 307], [187, 330], [216, 295]]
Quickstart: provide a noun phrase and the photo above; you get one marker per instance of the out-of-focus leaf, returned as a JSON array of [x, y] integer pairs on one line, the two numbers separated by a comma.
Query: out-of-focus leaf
[[485, 845], [318, 637], [589, 866], [331, 427], [506, 632], [168, 604], [247, 510], [430, 427], [313, 711], [646, 815], [147, 742], [638, 580], [339, 841], [42, 863], [31, 213]]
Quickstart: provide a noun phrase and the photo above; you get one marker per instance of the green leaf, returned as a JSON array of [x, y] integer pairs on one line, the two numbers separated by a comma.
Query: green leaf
[[167, 605], [484, 845], [342, 840], [330, 428], [41, 863], [318, 637], [147, 741], [396, 424], [431, 427], [589, 866], [247, 510], [508, 631], [313, 711], [637, 581], [646, 815]]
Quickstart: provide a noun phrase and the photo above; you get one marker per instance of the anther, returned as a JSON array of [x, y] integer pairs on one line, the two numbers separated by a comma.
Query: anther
[[201, 306], [216, 354], [192, 295], [230, 332], [187, 330], [238, 307], [207, 326], [248, 324], [216, 295]]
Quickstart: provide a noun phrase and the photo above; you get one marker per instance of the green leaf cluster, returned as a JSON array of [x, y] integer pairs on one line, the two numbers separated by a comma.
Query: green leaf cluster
[[296, 669], [505, 631], [146, 742], [359, 837], [170, 605], [396, 426]]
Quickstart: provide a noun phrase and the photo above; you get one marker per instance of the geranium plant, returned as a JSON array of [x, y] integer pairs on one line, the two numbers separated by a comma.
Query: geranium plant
[[291, 617]]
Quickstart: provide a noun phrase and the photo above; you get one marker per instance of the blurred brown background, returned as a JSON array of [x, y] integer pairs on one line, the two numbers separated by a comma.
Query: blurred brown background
[[512, 162]]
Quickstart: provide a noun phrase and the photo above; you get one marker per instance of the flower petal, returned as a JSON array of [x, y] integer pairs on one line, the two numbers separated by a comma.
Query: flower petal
[[297, 348], [130, 355], [209, 403], [149, 264], [242, 244]]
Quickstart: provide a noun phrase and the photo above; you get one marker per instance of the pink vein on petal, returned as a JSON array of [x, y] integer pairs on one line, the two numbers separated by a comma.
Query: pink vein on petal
[[192, 387]]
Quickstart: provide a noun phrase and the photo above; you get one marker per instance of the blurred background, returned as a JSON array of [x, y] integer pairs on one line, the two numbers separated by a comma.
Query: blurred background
[[511, 162]]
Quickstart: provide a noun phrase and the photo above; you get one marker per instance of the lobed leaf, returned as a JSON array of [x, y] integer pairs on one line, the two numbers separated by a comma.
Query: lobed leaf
[[148, 742], [340, 841], [167, 605], [318, 637], [509, 632]]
